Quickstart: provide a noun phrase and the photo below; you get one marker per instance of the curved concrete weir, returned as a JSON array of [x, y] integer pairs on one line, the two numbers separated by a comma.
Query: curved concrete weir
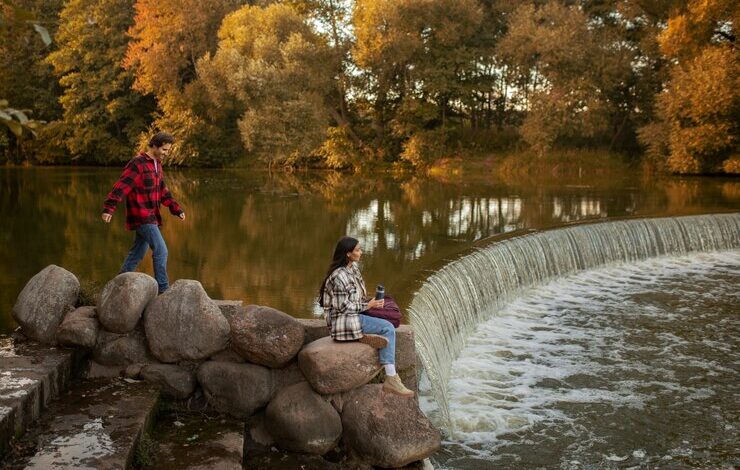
[[455, 300]]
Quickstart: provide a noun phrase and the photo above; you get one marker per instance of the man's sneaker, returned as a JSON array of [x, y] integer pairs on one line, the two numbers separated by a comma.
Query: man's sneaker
[[393, 384], [376, 341]]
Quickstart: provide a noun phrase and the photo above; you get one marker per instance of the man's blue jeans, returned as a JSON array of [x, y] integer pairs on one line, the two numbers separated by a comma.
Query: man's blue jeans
[[149, 235], [379, 326]]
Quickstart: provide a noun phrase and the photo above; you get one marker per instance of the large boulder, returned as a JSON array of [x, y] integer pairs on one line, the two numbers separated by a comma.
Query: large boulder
[[287, 376], [185, 324], [44, 301], [300, 420], [265, 336], [236, 389], [241, 388], [79, 328], [314, 328], [113, 349], [124, 299], [338, 366], [227, 355], [386, 430], [174, 381], [229, 307], [94, 370]]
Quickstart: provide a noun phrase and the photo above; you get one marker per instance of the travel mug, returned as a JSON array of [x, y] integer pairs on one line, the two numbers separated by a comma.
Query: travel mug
[[379, 292]]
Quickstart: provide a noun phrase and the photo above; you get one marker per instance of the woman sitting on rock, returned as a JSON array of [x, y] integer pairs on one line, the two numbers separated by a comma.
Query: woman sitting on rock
[[343, 297]]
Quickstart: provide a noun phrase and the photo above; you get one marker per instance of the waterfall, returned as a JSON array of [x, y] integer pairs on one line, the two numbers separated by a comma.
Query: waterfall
[[453, 301]]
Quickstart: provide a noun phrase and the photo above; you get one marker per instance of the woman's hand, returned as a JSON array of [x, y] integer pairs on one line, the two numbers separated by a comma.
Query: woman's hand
[[376, 303]]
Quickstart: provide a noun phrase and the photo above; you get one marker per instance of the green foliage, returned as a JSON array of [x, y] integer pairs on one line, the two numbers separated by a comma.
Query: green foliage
[[15, 120], [102, 116], [415, 56], [585, 72], [270, 67], [341, 152], [27, 83], [146, 447], [21, 16]]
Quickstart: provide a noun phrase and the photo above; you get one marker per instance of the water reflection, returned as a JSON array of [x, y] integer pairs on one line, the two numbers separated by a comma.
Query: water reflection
[[267, 239], [578, 208], [463, 218]]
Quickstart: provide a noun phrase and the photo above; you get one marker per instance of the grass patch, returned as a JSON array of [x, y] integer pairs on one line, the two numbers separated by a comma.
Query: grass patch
[[566, 165], [569, 163], [145, 449]]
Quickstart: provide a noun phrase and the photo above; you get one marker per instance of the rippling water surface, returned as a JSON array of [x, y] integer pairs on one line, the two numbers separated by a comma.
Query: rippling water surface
[[267, 238], [627, 366]]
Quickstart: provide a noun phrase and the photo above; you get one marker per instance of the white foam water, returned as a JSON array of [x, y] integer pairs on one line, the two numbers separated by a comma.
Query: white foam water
[[631, 365], [455, 300]]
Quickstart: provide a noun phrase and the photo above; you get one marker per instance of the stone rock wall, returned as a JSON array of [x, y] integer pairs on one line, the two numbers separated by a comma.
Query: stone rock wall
[[313, 394]]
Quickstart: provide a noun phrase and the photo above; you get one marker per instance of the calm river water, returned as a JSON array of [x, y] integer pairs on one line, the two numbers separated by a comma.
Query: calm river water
[[267, 238]]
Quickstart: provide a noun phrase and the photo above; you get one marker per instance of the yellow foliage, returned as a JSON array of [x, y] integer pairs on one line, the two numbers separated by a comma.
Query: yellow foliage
[[425, 147], [271, 70], [688, 33], [732, 165], [340, 152], [701, 106]]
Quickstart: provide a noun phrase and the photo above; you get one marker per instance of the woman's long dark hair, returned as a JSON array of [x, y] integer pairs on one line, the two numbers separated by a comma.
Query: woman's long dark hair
[[344, 245]]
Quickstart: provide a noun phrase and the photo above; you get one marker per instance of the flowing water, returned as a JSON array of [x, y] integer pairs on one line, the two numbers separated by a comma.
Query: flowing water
[[533, 359], [634, 365]]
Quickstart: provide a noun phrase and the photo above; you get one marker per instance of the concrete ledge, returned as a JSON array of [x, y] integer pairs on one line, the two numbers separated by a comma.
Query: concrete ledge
[[31, 376], [96, 424]]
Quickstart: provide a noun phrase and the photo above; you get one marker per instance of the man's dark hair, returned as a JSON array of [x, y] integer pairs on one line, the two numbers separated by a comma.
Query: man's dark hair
[[161, 138]]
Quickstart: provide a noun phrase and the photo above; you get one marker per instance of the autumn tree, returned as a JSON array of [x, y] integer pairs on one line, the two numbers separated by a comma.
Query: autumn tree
[[414, 56], [585, 73], [28, 82], [270, 65], [697, 123], [167, 40], [102, 116]]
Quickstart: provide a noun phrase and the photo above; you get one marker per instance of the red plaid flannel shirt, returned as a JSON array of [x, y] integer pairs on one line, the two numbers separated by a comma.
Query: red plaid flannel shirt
[[142, 184]]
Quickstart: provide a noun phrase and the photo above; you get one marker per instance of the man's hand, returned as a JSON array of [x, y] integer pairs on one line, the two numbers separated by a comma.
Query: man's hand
[[107, 217], [182, 215], [376, 303]]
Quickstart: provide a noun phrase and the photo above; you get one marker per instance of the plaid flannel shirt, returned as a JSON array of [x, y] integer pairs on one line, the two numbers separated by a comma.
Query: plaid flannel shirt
[[344, 299], [142, 184]]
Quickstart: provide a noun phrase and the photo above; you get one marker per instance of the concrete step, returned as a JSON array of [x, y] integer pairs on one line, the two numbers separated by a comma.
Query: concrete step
[[31, 376], [95, 424], [196, 441]]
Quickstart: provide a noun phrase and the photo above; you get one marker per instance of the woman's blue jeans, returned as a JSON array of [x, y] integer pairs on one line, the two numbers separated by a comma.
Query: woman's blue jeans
[[147, 236], [384, 328]]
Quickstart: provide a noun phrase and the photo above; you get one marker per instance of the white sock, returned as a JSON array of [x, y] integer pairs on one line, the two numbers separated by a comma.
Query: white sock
[[390, 370]]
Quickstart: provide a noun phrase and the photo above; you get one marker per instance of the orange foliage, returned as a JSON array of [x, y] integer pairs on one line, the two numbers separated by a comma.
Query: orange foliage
[[699, 107], [701, 24], [169, 36]]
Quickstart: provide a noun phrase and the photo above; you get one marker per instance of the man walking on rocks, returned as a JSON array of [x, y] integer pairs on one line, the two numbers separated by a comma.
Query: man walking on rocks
[[142, 184]]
